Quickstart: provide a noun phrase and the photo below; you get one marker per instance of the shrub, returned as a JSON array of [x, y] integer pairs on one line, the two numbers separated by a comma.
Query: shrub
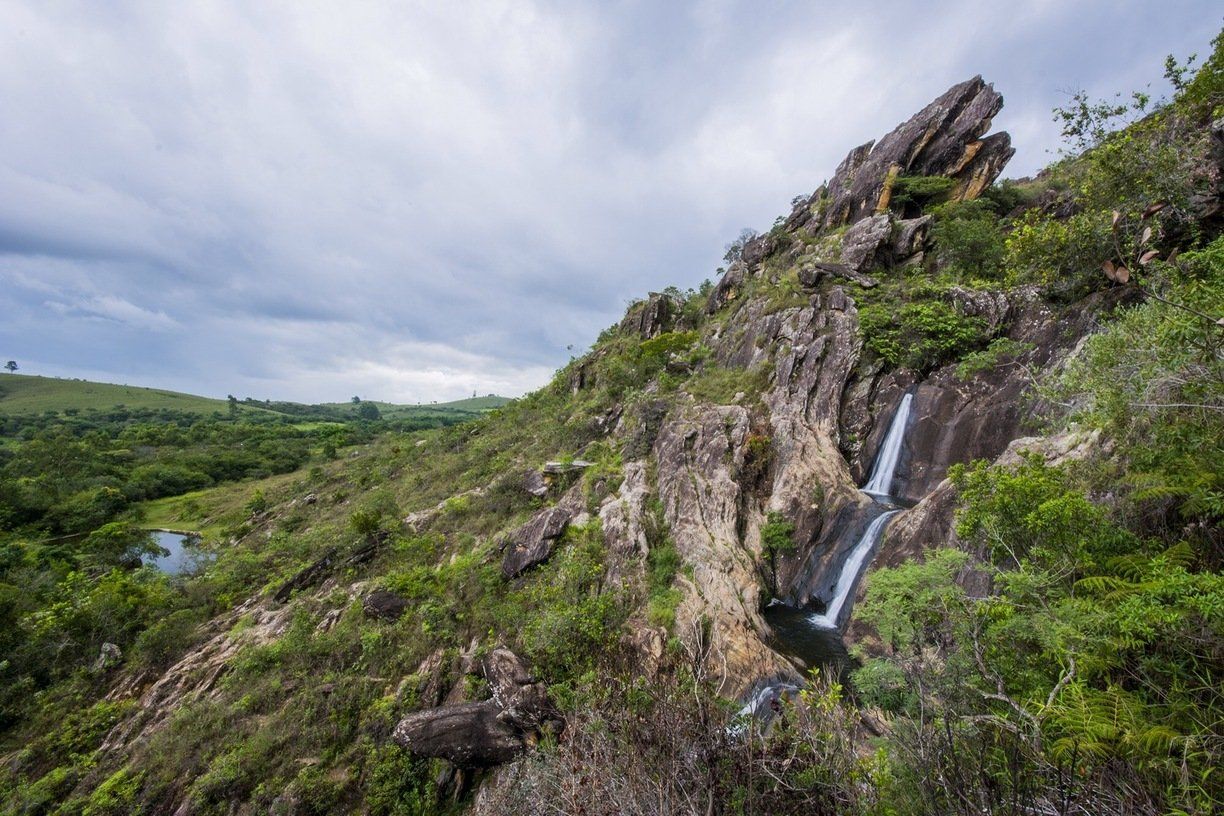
[[968, 240], [917, 192], [1062, 255], [918, 334]]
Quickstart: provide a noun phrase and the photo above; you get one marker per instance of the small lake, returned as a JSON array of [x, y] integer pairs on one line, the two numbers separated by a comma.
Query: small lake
[[183, 555]]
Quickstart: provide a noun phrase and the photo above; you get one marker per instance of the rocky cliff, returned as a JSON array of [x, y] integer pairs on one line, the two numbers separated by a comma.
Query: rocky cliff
[[696, 434]]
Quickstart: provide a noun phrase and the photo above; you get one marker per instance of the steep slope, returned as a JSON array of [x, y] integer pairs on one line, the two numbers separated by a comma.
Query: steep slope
[[393, 626]]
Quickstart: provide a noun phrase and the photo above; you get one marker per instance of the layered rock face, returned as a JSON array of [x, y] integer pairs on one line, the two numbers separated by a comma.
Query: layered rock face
[[943, 139], [799, 442]]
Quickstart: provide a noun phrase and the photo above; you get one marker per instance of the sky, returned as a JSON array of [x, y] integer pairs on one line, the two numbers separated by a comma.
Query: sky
[[416, 201]]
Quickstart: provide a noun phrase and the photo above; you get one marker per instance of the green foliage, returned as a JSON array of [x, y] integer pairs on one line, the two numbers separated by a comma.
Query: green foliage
[[969, 242], [907, 605], [991, 357], [918, 192], [777, 538], [718, 385], [116, 796], [1094, 646], [569, 617], [1062, 255], [1154, 380], [777, 534], [663, 562], [918, 334]]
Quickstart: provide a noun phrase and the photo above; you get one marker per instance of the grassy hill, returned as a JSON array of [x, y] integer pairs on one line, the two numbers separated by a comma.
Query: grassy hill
[[26, 394]]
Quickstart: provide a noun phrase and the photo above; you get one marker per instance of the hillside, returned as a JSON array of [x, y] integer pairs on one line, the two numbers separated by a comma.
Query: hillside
[[26, 394], [655, 585]]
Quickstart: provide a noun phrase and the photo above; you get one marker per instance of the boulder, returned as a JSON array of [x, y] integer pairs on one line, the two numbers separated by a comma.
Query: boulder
[[943, 139], [909, 238], [758, 249], [532, 543], [109, 655], [467, 734], [523, 699], [488, 732], [535, 484], [864, 241], [384, 605], [308, 576]]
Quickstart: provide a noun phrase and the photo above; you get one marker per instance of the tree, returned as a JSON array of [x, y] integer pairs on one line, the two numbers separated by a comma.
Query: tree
[[736, 248], [233, 405], [11, 365], [369, 410], [356, 400], [777, 538]]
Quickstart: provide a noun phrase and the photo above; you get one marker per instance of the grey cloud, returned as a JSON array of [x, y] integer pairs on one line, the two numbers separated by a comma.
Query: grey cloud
[[412, 202]]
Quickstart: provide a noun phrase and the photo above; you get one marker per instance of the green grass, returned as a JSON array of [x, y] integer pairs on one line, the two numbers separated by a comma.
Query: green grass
[[26, 394], [390, 410]]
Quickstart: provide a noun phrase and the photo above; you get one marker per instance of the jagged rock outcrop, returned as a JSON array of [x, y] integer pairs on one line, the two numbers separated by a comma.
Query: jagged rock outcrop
[[700, 454], [943, 139], [728, 287], [651, 317], [489, 732]]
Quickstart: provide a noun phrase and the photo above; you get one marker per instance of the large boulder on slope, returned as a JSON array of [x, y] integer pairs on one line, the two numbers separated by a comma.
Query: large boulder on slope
[[651, 317], [489, 732], [532, 543]]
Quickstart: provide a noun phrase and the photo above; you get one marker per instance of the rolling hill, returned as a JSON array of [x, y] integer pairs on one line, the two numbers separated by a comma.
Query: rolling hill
[[29, 394]]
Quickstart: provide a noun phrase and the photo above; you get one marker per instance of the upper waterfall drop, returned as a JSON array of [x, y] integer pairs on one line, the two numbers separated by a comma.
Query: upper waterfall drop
[[885, 467]]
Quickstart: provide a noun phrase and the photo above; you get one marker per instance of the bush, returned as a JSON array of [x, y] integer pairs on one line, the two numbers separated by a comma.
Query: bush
[[918, 334], [968, 241], [1064, 256], [914, 193]]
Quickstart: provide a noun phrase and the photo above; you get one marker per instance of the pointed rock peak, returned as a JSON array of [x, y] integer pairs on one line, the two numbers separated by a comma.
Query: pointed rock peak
[[943, 139]]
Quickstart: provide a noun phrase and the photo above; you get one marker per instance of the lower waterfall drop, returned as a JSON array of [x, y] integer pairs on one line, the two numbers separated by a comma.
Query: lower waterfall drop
[[850, 571]]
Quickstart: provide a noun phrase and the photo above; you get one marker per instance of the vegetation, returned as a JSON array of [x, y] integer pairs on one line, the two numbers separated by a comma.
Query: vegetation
[[1080, 674]]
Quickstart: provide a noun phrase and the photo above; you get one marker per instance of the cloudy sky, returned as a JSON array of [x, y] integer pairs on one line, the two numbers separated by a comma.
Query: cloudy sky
[[414, 200]]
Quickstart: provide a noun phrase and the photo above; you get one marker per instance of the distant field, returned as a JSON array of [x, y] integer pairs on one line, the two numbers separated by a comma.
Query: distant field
[[25, 394], [471, 405]]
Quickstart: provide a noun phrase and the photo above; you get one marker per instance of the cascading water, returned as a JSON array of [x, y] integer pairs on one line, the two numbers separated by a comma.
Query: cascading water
[[877, 487], [760, 706], [890, 452], [850, 571]]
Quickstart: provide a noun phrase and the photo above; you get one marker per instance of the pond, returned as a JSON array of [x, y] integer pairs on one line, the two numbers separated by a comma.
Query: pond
[[183, 554], [796, 636]]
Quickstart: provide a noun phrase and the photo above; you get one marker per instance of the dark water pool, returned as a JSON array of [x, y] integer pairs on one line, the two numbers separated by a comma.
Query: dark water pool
[[797, 637]]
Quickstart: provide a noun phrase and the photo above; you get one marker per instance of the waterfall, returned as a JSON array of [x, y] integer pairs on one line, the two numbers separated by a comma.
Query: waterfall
[[850, 571], [890, 451]]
